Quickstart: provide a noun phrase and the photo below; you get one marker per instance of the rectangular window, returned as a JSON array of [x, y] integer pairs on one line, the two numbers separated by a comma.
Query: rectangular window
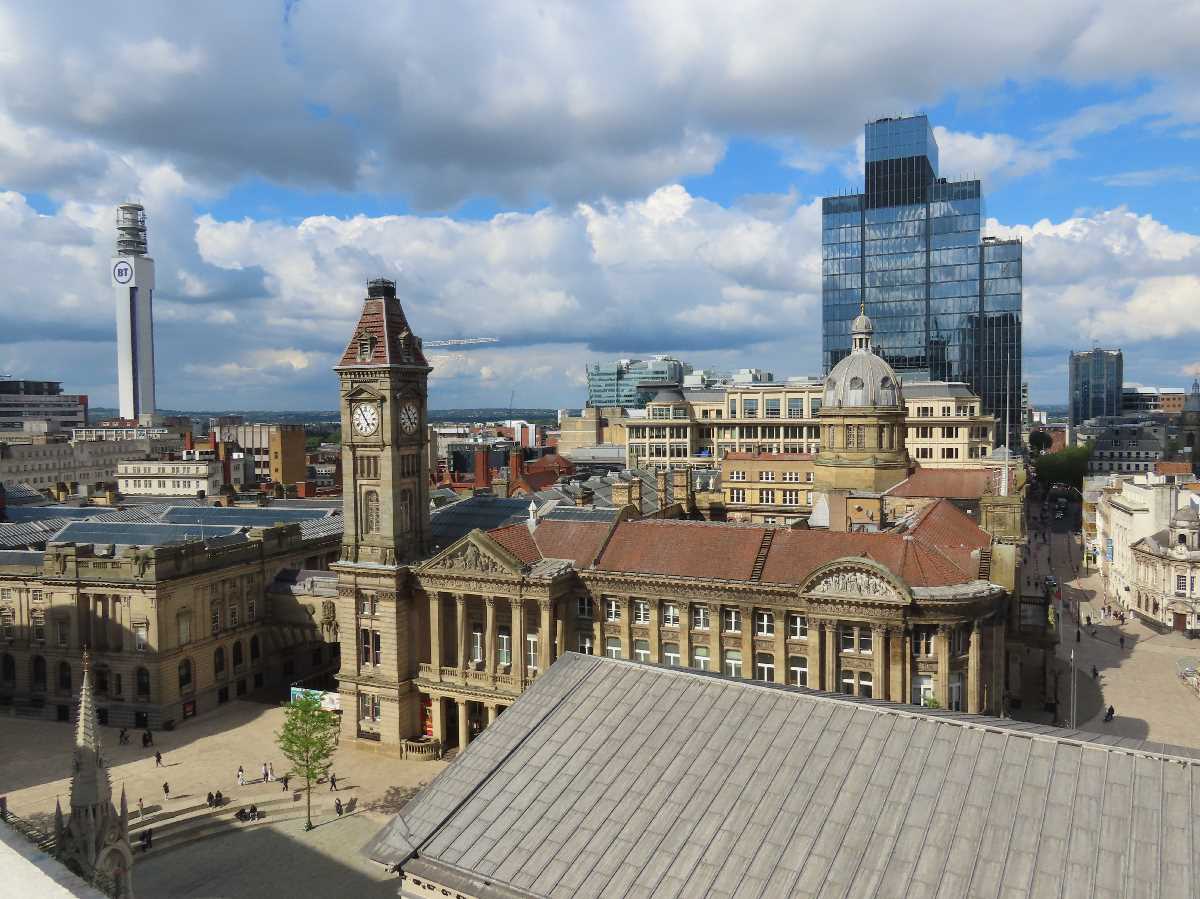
[[766, 496], [764, 666], [250, 616], [365, 606], [847, 635], [36, 595], [923, 641], [585, 644], [731, 620], [670, 653], [766, 475], [737, 495], [798, 671], [670, 613], [378, 655], [700, 618], [6, 594], [864, 640], [956, 692], [612, 647], [733, 662], [641, 650], [585, 608], [797, 626], [750, 408], [700, 658], [364, 635], [791, 477], [234, 614], [476, 644], [214, 615], [141, 636], [612, 609], [531, 652], [738, 475], [791, 497], [641, 611], [772, 408], [1180, 583], [63, 632], [795, 407], [764, 623], [848, 682], [369, 707], [503, 646]]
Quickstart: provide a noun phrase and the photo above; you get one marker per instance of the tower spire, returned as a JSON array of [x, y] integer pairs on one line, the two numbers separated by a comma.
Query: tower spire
[[89, 784]]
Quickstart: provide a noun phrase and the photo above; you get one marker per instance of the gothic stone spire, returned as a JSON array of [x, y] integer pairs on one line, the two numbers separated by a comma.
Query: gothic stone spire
[[89, 784]]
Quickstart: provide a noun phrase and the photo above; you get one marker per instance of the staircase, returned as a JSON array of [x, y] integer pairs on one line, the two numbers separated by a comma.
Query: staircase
[[985, 564], [761, 559], [189, 824]]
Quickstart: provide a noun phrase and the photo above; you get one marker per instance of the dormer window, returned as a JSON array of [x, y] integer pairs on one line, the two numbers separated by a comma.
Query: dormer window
[[366, 347]]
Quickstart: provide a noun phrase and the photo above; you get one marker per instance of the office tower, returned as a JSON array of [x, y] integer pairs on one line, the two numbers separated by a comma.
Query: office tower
[[632, 382], [946, 304], [1095, 382], [133, 284]]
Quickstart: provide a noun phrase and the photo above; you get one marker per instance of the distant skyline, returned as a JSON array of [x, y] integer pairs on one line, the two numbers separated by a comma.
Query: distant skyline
[[582, 182]]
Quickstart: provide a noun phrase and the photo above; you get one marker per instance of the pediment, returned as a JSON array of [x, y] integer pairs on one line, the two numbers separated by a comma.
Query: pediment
[[857, 578], [363, 393], [476, 553]]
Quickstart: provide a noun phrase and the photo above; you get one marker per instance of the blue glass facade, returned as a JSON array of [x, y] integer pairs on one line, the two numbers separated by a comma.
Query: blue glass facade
[[946, 305]]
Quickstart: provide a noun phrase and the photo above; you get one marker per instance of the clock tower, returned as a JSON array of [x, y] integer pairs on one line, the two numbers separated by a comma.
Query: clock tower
[[385, 495]]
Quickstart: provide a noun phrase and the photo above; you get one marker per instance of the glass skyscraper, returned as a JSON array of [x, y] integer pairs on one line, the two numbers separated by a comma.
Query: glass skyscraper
[[1096, 381], [946, 305]]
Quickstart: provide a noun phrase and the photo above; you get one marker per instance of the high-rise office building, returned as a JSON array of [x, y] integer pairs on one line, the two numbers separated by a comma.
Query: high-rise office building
[[133, 284], [632, 382], [1095, 381], [946, 304]]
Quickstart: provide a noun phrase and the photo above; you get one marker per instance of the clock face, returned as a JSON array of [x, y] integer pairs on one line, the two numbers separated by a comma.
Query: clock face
[[410, 418], [365, 418]]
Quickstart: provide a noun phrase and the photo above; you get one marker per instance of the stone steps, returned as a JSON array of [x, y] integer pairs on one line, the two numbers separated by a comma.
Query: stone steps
[[182, 819], [216, 826]]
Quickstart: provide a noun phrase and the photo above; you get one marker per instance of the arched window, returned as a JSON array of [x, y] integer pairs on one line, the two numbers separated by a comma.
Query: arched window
[[143, 683], [39, 673], [405, 510], [64, 677], [237, 654], [1183, 539], [183, 626], [857, 396], [370, 512], [254, 650], [185, 674], [101, 679], [8, 669], [886, 384], [219, 660]]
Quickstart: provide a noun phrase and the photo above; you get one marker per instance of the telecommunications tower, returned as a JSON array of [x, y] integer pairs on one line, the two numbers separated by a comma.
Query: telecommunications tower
[[133, 284]]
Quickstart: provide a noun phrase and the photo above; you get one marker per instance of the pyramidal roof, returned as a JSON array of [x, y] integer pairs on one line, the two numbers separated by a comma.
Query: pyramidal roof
[[89, 783], [382, 335]]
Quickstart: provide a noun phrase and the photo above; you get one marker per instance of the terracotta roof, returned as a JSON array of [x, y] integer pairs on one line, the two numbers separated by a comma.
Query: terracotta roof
[[936, 552], [1172, 468], [552, 462], [769, 457], [518, 541], [383, 321], [538, 480], [949, 483]]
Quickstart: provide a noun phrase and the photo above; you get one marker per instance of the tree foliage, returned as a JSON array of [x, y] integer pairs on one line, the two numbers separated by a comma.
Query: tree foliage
[[1067, 466], [308, 740], [1040, 441]]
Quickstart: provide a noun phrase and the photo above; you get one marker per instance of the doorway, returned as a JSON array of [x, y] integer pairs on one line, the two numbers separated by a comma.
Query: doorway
[[1180, 622]]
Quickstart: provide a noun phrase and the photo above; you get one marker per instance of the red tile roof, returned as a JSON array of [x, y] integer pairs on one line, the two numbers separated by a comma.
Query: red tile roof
[[949, 483], [518, 541], [682, 549], [578, 541], [1172, 468], [394, 344]]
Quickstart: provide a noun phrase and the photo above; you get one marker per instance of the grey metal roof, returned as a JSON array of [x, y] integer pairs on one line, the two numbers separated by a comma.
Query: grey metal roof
[[30, 533], [131, 533], [41, 513], [15, 494], [239, 516], [322, 527], [614, 778], [485, 511], [581, 513], [21, 557], [916, 390]]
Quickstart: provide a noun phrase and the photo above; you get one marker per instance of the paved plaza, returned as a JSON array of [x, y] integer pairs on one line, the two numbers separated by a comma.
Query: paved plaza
[[202, 755], [1139, 679]]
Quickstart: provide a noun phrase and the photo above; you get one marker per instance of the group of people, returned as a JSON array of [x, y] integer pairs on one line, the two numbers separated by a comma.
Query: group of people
[[268, 775], [145, 839], [250, 814], [215, 800], [147, 737]]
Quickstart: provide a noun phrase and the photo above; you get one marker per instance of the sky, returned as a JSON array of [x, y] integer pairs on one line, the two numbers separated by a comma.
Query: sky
[[581, 181]]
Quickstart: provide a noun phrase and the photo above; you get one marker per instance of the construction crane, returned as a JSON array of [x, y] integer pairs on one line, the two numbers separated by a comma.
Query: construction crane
[[459, 341]]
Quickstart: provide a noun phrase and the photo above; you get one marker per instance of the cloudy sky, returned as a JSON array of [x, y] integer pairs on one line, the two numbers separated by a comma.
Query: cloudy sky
[[582, 181]]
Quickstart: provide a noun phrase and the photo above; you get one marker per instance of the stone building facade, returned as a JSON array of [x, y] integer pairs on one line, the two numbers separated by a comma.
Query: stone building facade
[[174, 630], [1166, 574]]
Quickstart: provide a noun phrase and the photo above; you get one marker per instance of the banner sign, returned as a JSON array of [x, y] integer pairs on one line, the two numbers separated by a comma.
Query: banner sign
[[330, 702]]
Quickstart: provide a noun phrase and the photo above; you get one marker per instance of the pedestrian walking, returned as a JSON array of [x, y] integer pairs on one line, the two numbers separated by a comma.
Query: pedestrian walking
[[141, 809], [333, 782], [271, 772], [1095, 673], [337, 807], [1077, 635], [264, 777], [241, 777], [158, 759], [1122, 641], [166, 790], [149, 737], [283, 780]]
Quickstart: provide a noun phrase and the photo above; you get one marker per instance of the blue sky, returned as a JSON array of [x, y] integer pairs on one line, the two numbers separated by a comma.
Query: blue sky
[[580, 182]]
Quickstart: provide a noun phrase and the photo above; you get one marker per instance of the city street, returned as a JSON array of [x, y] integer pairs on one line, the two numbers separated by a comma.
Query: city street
[[1139, 679]]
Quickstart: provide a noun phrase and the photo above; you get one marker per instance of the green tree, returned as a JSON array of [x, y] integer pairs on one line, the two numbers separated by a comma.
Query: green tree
[[308, 739], [1064, 467], [1039, 442]]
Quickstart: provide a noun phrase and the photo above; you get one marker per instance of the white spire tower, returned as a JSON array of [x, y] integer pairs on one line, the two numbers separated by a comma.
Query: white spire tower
[[133, 284]]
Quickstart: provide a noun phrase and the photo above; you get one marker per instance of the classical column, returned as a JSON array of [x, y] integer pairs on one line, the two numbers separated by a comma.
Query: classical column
[[896, 689], [748, 670], [879, 661], [491, 712], [545, 625], [560, 633], [460, 606], [908, 666], [1000, 674], [518, 641], [489, 637], [779, 646], [942, 647], [832, 657], [816, 653], [974, 674], [464, 724], [685, 634], [438, 712], [435, 636]]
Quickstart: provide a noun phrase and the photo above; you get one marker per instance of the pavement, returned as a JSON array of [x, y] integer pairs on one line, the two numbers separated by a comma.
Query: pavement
[[201, 755], [1135, 666]]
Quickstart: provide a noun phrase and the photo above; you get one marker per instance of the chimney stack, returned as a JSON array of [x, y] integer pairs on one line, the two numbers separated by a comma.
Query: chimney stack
[[635, 493], [515, 463], [620, 494], [483, 471]]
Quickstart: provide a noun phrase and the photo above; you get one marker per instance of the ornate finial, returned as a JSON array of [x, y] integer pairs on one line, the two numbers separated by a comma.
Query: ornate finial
[[87, 659], [862, 307]]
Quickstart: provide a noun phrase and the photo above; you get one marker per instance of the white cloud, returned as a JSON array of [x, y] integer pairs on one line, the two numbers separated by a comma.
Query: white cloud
[[1149, 177]]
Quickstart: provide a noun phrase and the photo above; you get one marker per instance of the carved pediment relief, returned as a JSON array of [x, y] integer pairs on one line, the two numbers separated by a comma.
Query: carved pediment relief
[[473, 554], [857, 582]]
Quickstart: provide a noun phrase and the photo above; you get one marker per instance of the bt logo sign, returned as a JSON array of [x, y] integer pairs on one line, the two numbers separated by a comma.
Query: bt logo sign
[[122, 272]]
